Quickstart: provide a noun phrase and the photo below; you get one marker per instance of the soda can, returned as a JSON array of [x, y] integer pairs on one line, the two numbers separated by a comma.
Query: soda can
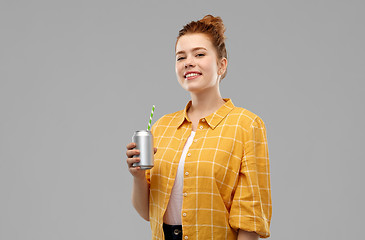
[[144, 143]]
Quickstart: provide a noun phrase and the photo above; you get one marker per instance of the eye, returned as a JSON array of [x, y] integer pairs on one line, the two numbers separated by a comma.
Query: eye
[[200, 55], [179, 58]]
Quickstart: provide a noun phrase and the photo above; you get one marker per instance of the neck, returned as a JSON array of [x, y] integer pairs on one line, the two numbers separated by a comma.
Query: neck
[[206, 102]]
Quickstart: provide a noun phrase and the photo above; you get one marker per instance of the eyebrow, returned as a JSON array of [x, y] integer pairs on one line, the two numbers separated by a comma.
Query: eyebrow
[[194, 49]]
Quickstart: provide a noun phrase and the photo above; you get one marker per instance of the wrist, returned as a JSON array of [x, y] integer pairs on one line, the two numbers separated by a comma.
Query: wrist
[[139, 179]]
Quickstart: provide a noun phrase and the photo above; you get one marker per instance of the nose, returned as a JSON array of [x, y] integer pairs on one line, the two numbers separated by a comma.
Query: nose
[[189, 62]]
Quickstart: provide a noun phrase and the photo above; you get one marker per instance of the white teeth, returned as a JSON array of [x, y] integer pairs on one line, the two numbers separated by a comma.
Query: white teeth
[[191, 75]]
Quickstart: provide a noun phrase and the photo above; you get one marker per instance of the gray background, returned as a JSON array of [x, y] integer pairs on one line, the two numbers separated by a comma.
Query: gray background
[[78, 77]]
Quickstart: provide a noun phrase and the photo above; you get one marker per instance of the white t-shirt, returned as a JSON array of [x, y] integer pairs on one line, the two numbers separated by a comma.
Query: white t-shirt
[[173, 212]]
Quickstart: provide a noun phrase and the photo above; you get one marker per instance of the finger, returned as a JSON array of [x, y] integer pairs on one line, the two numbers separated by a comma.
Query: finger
[[135, 170], [131, 145], [155, 149], [131, 153], [130, 161]]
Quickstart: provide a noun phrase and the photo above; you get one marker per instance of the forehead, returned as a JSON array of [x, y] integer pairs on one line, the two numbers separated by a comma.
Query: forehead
[[194, 40]]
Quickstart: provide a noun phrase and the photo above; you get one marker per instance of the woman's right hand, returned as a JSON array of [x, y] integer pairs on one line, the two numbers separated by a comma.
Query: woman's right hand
[[137, 172]]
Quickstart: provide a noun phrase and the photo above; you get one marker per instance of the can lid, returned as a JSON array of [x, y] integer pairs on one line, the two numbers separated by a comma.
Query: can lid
[[142, 132]]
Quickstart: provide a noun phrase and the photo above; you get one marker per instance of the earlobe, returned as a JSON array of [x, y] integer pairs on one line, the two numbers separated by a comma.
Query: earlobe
[[221, 71]]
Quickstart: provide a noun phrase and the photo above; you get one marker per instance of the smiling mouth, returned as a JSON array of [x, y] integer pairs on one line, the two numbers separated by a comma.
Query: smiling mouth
[[190, 76]]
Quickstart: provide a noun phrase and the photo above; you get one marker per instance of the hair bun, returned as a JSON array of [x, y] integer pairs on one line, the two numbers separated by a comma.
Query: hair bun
[[216, 22]]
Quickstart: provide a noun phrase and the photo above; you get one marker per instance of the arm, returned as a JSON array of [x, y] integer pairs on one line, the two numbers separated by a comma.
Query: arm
[[140, 191], [243, 235], [140, 195], [251, 206]]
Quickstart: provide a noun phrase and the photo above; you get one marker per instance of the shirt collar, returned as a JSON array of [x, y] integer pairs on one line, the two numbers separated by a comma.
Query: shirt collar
[[213, 119]]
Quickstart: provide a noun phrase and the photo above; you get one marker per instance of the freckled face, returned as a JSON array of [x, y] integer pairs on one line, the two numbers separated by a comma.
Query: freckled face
[[196, 62]]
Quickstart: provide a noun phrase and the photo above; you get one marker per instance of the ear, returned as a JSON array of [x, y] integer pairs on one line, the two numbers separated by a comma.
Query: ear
[[222, 66]]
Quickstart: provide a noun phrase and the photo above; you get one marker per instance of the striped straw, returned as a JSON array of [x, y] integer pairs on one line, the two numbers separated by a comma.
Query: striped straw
[[149, 123]]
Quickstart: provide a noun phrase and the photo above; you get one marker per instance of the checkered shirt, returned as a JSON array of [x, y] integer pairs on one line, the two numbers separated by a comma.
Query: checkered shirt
[[226, 174]]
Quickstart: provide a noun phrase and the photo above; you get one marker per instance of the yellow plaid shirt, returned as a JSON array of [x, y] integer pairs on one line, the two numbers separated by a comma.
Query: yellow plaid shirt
[[226, 174]]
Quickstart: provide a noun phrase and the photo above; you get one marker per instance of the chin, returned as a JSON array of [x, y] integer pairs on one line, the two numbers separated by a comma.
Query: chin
[[194, 90]]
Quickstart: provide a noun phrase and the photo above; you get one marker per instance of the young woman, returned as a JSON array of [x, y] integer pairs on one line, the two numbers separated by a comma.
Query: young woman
[[211, 178]]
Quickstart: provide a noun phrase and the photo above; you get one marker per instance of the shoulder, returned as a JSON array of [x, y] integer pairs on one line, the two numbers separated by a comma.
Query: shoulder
[[246, 118], [167, 120]]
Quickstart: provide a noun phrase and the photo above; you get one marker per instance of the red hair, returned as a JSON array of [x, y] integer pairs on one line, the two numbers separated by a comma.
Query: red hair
[[214, 28]]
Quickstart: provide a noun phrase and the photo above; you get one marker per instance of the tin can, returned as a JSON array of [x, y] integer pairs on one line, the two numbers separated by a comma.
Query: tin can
[[144, 143]]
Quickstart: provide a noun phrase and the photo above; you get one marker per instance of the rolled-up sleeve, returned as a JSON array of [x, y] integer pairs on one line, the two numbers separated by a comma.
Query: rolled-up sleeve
[[251, 207]]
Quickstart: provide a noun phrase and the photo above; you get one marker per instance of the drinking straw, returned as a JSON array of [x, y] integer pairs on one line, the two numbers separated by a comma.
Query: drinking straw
[[149, 123]]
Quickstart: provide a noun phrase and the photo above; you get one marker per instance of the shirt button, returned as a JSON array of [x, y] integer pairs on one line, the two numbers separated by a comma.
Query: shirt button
[[201, 127], [189, 154], [185, 194], [187, 173], [203, 120], [186, 237], [195, 140], [184, 214]]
